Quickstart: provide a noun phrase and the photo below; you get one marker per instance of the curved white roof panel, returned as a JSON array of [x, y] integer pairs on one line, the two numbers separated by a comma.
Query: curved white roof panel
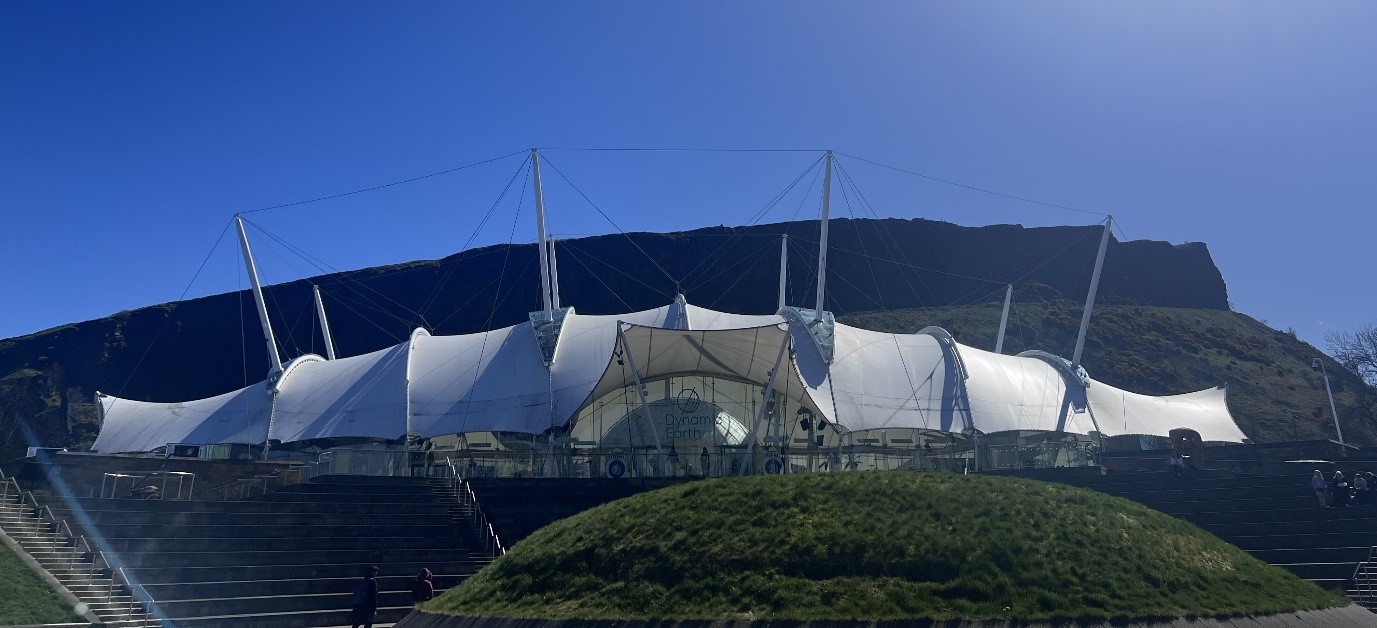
[[1121, 412], [362, 395], [879, 380], [1009, 392], [240, 416]]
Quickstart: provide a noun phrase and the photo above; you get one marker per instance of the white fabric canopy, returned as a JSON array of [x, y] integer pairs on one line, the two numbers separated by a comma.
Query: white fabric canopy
[[1121, 412], [363, 395], [498, 381], [1009, 392], [240, 416]]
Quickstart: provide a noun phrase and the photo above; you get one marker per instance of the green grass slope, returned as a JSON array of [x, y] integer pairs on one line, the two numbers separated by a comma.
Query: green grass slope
[[25, 599], [1273, 393], [882, 545]]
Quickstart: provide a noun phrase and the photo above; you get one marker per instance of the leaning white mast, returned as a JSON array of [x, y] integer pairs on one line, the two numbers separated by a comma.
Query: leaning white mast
[[258, 296], [554, 275], [1004, 319], [1090, 298], [783, 268], [324, 324], [540, 235], [822, 239]]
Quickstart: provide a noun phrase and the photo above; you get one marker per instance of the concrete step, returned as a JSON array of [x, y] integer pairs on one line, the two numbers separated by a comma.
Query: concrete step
[[1340, 572], [325, 511], [256, 588], [1313, 555], [177, 609], [162, 575], [334, 488], [1302, 541], [255, 505], [268, 530], [218, 544], [289, 557], [1311, 514], [303, 619]]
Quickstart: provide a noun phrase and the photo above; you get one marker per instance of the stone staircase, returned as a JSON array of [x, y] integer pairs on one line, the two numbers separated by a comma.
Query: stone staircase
[[287, 558], [69, 558]]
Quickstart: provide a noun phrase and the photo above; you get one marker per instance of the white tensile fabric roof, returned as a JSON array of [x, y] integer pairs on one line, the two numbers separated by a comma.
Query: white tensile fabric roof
[[498, 381]]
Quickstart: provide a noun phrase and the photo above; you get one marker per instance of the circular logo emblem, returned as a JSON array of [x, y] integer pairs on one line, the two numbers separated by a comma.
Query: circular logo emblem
[[688, 400]]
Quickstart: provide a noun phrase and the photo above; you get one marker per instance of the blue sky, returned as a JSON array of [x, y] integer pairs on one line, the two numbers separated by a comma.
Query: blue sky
[[130, 132]]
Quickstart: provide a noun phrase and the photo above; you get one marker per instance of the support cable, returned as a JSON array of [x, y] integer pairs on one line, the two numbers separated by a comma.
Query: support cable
[[569, 246], [758, 216], [168, 319], [439, 285], [891, 244], [974, 188], [846, 197], [614, 224], [385, 185]]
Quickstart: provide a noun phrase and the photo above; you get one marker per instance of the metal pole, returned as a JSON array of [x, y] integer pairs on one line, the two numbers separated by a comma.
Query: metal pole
[[1332, 411], [1090, 299], [765, 402], [640, 388], [783, 268], [540, 235], [324, 324], [554, 275], [258, 295], [822, 239], [1004, 318]]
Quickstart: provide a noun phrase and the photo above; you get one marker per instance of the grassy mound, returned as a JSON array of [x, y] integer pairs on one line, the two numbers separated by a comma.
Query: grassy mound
[[882, 545], [26, 599]]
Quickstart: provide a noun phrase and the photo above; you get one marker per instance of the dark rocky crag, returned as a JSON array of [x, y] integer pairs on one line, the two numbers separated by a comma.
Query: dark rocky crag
[[206, 346]]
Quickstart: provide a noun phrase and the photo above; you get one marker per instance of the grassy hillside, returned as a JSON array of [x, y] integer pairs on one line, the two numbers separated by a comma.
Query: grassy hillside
[[1273, 393], [25, 599], [881, 545]]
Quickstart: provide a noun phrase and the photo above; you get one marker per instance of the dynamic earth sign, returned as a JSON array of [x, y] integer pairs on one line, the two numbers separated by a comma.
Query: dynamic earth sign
[[686, 423]]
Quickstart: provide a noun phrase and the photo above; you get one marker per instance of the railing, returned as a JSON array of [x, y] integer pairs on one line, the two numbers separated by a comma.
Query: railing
[[477, 518], [1363, 577], [140, 602], [244, 487]]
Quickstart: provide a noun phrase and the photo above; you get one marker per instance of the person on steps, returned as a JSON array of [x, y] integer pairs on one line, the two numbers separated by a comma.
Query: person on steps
[[365, 600], [1361, 489], [1321, 488], [1339, 494], [424, 589]]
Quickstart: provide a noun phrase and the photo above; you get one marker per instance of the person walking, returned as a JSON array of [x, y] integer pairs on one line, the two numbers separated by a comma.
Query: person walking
[[365, 603], [424, 589], [1321, 488], [706, 462]]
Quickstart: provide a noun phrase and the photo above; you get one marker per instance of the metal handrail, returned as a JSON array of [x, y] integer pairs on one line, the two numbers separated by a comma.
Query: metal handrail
[[464, 493], [1364, 586]]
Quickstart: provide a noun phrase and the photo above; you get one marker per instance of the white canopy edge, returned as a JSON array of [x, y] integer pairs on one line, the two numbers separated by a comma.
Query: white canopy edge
[[497, 381]]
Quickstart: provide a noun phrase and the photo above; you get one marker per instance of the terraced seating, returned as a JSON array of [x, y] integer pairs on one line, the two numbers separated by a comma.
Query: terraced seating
[[288, 558]]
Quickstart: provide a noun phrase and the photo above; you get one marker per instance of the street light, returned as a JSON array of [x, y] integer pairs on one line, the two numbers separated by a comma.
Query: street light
[[1318, 365]]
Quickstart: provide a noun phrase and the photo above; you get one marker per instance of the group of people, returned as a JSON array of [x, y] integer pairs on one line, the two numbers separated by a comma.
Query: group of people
[[365, 601], [1340, 491]]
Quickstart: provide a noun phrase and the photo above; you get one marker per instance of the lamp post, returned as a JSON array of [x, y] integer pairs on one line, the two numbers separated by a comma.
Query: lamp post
[[1318, 365]]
